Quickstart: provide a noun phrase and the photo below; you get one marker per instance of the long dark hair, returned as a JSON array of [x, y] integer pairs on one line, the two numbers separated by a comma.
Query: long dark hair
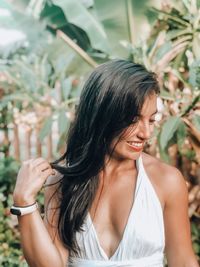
[[111, 99]]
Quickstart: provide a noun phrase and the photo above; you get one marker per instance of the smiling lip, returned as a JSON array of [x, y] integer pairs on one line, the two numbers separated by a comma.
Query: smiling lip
[[136, 146]]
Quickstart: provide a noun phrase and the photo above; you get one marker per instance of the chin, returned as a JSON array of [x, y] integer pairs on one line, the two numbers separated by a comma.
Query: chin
[[124, 152], [129, 155], [135, 155]]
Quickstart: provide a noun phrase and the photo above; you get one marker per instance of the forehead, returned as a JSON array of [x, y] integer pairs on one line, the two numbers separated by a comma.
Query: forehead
[[150, 105]]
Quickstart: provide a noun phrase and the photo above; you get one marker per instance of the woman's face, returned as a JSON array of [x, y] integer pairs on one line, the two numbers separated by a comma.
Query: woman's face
[[131, 142]]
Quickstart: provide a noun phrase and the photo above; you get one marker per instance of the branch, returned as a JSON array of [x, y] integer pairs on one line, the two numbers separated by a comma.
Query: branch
[[77, 48]]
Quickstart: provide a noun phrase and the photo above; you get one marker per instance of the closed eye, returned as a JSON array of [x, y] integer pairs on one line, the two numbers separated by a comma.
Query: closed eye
[[152, 121]]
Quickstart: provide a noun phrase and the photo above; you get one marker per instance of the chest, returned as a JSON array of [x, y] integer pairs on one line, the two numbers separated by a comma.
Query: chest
[[110, 211]]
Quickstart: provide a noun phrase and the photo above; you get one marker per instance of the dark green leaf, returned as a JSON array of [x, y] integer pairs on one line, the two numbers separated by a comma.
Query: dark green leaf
[[181, 135], [194, 73], [78, 15], [168, 130], [163, 152]]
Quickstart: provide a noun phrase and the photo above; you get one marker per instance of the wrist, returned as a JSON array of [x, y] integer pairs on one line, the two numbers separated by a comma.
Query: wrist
[[21, 200]]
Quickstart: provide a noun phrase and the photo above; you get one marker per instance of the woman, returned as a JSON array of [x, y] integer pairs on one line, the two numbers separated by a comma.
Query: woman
[[111, 204]]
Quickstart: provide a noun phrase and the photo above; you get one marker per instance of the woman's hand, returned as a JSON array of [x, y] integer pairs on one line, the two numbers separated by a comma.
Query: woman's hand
[[31, 177]]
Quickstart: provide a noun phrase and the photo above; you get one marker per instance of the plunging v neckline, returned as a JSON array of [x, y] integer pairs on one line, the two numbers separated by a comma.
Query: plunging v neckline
[[105, 256]]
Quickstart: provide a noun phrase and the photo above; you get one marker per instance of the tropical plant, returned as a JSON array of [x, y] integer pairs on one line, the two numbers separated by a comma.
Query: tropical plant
[[10, 254]]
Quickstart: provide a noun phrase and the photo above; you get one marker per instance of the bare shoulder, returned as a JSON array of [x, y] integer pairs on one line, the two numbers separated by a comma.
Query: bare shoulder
[[167, 179], [158, 166]]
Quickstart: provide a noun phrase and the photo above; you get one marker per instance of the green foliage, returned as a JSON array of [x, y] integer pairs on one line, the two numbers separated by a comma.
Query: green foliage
[[194, 77], [8, 169], [77, 14], [115, 22], [195, 229], [10, 249], [181, 135], [33, 35], [168, 130]]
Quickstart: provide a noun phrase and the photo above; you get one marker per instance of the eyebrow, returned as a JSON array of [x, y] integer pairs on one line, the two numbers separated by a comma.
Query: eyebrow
[[156, 111]]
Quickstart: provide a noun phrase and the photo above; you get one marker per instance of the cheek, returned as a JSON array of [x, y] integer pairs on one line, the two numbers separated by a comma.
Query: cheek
[[130, 131], [117, 145], [152, 128]]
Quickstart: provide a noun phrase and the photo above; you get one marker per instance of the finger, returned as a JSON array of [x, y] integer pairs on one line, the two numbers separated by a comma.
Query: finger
[[38, 161], [53, 172], [43, 166], [45, 174], [45, 171], [27, 162]]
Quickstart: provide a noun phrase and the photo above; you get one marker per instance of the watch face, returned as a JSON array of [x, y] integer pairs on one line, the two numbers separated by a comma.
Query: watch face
[[15, 211]]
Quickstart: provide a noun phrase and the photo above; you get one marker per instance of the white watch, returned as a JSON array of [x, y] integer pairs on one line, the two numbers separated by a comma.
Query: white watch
[[19, 211]]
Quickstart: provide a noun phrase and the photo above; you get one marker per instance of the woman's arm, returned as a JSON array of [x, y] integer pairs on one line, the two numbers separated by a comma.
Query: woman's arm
[[37, 244], [51, 205], [179, 249]]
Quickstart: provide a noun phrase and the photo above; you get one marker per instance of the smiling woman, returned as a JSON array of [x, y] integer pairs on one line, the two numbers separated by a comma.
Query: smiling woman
[[110, 204], [141, 130]]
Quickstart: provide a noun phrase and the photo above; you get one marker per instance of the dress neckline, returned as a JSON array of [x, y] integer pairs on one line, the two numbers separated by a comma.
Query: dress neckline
[[90, 222]]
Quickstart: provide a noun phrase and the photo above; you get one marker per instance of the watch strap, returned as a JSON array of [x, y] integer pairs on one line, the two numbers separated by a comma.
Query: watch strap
[[19, 211]]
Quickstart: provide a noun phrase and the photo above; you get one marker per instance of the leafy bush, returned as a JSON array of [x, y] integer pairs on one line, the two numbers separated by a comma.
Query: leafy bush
[[10, 252]]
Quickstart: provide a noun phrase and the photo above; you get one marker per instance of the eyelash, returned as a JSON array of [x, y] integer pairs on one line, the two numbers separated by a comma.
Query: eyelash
[[152, 121]]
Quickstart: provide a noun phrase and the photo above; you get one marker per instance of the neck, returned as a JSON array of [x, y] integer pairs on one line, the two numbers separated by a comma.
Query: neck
[[115, 166]]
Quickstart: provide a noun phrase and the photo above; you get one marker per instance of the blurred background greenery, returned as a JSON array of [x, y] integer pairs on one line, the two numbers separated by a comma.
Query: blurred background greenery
[[47, 49]]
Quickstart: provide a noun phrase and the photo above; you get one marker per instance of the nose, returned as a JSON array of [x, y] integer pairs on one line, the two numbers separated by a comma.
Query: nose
[[144, 130]]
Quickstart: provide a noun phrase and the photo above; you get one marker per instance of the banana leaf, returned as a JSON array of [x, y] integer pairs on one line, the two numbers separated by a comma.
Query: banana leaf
[[76, 14]]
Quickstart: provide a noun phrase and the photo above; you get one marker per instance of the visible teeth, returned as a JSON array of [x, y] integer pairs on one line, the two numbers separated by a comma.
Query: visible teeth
[[135, 144]]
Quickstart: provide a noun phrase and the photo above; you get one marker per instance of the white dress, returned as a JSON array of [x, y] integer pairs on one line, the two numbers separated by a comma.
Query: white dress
[[143, 240]]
